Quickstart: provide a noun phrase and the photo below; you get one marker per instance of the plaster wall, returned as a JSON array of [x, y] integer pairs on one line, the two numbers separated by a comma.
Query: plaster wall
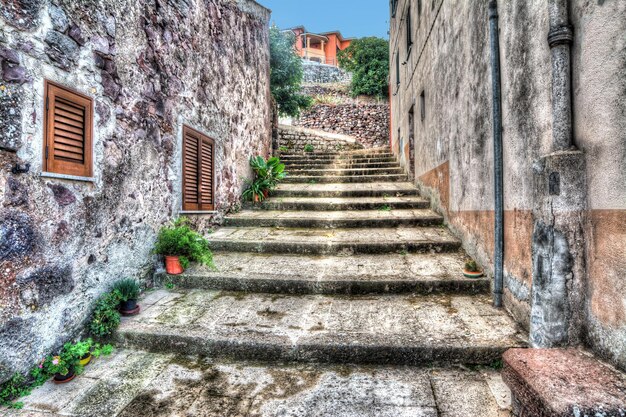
[[448, 65], [150, 66]]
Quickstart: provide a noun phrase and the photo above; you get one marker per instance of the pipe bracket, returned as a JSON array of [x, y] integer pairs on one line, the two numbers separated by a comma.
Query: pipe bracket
[[561, 35]]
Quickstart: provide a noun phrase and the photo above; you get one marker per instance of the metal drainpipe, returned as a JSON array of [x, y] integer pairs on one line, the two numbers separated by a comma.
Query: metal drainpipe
[[497, 154], [560, 38]]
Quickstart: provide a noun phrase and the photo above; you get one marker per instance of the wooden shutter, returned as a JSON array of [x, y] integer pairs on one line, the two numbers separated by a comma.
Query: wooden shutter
[[68, 131], [198, 171]]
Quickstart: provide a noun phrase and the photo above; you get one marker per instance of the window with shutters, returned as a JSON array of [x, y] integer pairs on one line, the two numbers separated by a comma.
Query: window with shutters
[[68, 131], [198, 171]]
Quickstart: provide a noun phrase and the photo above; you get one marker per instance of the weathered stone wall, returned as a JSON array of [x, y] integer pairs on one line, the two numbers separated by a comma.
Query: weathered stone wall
[[150, 66], [296, 138], [547, 261], [368, 123], [321, 73]]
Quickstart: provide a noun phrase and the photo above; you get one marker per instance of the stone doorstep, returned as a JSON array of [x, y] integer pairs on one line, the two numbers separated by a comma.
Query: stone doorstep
[[564, 383], [381, 329], [168, 385], [358, 274], [334, 204], [334, 219], [343, 179]]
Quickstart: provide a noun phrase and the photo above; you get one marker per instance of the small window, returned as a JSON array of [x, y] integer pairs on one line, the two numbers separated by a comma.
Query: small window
[[409, 32], [198, 171], [68, 131], [422, 106], [394, 6]]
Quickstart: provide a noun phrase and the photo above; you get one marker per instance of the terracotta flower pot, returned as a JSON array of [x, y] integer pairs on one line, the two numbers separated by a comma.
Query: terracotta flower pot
[[266, 193], [472, 274], [129, 308], [63, 379], [173, 266], [257, 198]]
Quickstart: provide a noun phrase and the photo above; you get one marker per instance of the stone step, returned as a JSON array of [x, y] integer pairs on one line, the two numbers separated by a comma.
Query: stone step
[[350, 275], [134, 383], [381, 189], [334, 241], [324, 172], [338, 158], [324, 162], [382, 329], [334, 219], [339, 203], [305, 166], [357, 152], [343, 179]]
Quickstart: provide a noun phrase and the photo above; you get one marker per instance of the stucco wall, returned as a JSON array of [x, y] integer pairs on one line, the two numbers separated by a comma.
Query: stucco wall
[[150, 66], [450, 63]]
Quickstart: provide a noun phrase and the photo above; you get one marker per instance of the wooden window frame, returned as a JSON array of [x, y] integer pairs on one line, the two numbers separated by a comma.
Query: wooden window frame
[[50, 163], [199, 207]]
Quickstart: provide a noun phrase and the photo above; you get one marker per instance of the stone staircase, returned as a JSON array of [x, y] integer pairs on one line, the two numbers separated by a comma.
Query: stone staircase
[[325, 298], [346, 263]]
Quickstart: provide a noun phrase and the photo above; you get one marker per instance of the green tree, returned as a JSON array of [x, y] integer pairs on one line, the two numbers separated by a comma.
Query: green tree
[[368, 60], [286, 74]]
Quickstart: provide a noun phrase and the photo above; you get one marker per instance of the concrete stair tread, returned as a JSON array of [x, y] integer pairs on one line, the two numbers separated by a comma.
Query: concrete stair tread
[[338, 215], [398, 329], [138, 383], [344, 178], [343, 171], [339, 201], [325, 236], [357, 274], [392, 188]]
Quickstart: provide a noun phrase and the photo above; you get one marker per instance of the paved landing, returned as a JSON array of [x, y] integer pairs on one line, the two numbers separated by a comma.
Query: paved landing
[[140, 384]]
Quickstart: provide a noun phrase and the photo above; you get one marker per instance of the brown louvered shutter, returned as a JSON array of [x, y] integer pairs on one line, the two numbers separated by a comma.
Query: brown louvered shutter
[[68, 131], [198, 171]]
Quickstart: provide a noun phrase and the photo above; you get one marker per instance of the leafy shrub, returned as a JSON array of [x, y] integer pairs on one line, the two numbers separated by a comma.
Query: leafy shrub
[[308, 148], [105, 317], [368, 60], [127, 288], [286, 74], [283, 149], [179, 240]]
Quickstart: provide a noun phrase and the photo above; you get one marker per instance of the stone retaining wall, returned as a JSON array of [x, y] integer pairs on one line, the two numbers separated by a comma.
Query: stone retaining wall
[[321, 73], [368, 123], [295, 139]]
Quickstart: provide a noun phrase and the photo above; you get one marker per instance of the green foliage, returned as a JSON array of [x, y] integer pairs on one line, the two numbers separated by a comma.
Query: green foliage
[[12, 389], [308, 148], [385, 207], [283, 149], [267, 173], [286, 74], [105, 317], [180, 240], [127, 288], [471, 266], [368, 60], [66, 361]]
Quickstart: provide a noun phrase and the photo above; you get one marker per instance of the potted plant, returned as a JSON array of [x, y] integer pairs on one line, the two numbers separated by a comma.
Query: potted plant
[[83, 351], [65, 366], [471, 269], [180, 245], [257, 191], [268, 173], [128, 290]]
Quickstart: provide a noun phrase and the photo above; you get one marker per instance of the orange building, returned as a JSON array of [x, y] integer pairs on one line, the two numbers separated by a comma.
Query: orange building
[[320, 47]]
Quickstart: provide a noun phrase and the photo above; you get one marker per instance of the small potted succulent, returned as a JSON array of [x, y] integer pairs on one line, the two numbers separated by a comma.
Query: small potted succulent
[[128, 291], [471, 269], [180, 245]]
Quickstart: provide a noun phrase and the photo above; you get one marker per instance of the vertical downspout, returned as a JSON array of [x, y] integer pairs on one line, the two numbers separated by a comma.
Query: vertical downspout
[[560, 38], [497, 155]]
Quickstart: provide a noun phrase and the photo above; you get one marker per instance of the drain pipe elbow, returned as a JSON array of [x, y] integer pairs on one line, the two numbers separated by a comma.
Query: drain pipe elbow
[[497, 152]]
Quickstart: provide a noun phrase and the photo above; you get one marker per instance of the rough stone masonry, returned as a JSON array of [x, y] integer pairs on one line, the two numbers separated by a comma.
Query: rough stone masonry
[[150, 67]]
